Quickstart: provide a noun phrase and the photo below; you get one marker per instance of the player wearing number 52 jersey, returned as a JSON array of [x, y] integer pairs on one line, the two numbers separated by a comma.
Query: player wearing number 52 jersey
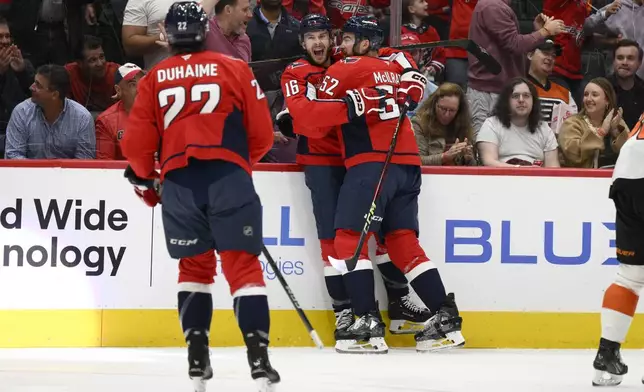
[[365, 142], [622, 296], [206, 116]]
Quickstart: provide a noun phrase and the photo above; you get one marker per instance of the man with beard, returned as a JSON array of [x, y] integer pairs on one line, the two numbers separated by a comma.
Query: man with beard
[[227, 29], [551, 93], [110, 125], [91, 77], [324, 174], [50, 126], [629, 87], [273, 32]]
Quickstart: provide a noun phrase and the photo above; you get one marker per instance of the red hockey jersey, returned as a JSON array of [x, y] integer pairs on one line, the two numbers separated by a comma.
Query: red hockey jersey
[[203, 105], [573, 13], [110, 127], [299, 83], [367, 139], [426, 33], [460, 25]]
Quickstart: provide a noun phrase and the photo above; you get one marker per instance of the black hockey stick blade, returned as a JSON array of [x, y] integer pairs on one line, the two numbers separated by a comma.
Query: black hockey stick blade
[[312, 332], [489, 62], [353, 261]]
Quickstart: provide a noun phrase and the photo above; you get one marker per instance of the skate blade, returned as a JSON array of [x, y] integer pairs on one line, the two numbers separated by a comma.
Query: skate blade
[[265, 385], [452, 340], [405, 327], [605, 379], [352, 346]]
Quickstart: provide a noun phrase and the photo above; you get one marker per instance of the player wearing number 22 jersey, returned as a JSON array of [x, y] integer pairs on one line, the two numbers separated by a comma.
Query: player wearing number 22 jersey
[[622, 296], [208, 119], [365, 142]]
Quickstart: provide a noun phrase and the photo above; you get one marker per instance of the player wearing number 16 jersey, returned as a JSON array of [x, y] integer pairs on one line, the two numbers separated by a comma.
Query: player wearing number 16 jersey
[[365, 142], [622, 296], [206, 116]]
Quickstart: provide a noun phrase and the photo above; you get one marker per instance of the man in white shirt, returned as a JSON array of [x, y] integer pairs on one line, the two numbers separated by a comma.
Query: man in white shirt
[[143, 33], [516, 135]]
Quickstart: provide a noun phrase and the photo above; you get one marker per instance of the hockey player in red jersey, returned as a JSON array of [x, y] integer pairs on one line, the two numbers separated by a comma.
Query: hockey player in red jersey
[[207, 118], [324, 173], [365, 142]]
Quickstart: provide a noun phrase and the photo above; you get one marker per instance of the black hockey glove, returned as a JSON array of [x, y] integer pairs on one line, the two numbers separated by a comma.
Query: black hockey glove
[[284, 122]]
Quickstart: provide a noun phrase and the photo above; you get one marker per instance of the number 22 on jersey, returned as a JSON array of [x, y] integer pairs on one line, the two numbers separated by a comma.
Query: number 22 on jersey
[[178, 100]]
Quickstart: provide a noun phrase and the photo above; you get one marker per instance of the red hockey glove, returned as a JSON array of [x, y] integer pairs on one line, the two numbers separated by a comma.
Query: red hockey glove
[[412, 88], [148, 190], [362, 101]]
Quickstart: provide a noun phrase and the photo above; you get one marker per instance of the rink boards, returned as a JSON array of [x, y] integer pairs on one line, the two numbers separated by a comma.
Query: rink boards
[[528, 253]]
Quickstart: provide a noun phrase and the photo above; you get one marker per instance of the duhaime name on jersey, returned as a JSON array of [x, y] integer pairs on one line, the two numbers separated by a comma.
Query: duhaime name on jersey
[[186, 71], [475, 241], [67, 215]]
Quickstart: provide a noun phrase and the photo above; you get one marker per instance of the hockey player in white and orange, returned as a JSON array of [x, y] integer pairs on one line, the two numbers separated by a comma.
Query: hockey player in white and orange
[[622, 296]]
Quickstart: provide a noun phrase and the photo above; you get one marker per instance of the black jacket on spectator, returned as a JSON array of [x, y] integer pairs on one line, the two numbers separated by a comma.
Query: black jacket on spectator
[[14, 88], [632, 101], [284, 43], [42, 43]]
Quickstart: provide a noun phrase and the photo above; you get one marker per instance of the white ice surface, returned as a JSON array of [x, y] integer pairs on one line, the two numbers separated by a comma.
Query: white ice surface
[[309, 370]]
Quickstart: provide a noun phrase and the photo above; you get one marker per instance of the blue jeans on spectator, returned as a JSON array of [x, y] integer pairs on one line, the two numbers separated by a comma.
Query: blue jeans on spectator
[[456, 72]]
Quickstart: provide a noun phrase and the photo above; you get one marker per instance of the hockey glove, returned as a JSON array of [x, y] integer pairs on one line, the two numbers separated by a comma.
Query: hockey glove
[[284, 122], [149, 191], [412, 88], [362, 101]]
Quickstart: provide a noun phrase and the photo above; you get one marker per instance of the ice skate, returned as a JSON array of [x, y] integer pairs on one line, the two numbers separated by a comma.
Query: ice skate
[[406, 316], [260, 367], [443, 330], [343, 320], [609, 368], [199, 369], [365, 336]]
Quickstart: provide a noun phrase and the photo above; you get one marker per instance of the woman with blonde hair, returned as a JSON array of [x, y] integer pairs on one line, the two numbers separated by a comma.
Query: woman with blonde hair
[[443, 128], [584, 137]]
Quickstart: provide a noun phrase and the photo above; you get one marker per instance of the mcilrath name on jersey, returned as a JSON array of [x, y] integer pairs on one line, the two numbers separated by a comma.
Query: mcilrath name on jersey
[[186, 71], [390, 78]]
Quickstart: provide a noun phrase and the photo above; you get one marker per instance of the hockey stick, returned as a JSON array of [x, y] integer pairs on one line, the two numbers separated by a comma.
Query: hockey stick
[[314, 335], [353, 261], [489, 62]]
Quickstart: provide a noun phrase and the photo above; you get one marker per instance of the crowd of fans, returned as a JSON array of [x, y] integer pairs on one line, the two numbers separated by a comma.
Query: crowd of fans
[[570, 90]]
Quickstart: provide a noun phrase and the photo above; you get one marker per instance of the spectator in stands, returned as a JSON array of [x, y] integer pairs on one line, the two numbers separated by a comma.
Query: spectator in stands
[[49, 125], [629, 87], [584, 137], [415, 22], [439, 12], [551, 93], [143, 32], [339, 11], [625, 22], [457, 64], [273, 32], [16, 75], [568, 63], [111, 124], [104, 19], [443, 128], [91, 77], [227, 32], [47, 31], [300, 8], [494, 26], [516, 135]]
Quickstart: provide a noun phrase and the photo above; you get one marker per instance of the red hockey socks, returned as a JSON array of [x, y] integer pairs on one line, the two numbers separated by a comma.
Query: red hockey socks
[[422, 274], [250, 303], [333, 278], [359, 283], [194, 297], [394, 280]]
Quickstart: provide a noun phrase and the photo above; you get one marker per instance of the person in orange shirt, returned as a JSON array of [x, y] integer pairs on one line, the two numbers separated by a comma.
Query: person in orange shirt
[[111, 124]]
